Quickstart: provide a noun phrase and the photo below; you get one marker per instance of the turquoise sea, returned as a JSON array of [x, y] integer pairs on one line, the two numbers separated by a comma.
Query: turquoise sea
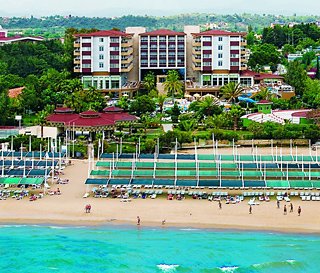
[[130, 249]]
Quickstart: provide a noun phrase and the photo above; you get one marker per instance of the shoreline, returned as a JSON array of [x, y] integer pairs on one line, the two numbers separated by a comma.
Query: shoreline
[[109, 223]]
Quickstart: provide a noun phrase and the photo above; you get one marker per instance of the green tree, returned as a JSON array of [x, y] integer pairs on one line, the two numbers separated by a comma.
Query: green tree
[[231, 91], [161, 100], [209, 106], [142, 105], [173, 85], [264, 54], [175, 113], [296, 76], [236, 112], [149, 81]]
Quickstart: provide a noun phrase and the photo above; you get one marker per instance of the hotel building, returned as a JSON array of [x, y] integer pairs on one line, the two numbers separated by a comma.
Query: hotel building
[[104, 59], [218, 57], [162, 50], [115, 61]]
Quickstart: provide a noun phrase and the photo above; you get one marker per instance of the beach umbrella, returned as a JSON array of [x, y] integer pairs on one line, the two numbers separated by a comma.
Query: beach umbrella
[[196, 95]]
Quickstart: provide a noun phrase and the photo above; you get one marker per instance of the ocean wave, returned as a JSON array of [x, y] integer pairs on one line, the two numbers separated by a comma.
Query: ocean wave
[[167, 267], [188, 229], [228, 269], [275, 264]]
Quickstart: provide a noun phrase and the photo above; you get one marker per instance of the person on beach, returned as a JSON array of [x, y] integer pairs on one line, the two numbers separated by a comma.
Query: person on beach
[[299, 211], [285, 210], [138, 221], [250, 209], [88, 208], [163, 222], [291, 207], [278, 204], [220, 205]]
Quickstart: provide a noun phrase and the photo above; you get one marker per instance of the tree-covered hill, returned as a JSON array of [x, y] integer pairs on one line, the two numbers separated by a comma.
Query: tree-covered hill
[[55, 25]]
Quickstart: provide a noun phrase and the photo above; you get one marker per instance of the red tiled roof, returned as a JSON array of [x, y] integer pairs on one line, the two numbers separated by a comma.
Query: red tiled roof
[[15, 92], [63, 110], [162, 32], [90, 118], [112, 109], [216, 32], [260, 76], [104, 33]]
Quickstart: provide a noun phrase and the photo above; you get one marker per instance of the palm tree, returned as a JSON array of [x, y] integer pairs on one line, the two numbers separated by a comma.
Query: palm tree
[[161, 100], [41, 120], [149, 81], [236, 112], [264, 94], [207, 105], [232, 91], [187, 125], [173, 85]]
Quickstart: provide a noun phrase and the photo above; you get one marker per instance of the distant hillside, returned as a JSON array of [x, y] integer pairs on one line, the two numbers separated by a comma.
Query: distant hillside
[[55, 25]]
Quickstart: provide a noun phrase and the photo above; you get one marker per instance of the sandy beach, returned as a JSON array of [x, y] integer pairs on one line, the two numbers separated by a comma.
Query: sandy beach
[[68, 209]]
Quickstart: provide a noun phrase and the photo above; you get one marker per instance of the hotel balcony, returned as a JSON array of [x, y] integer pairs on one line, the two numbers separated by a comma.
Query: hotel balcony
[[127, 68], [127, 60], [244, 67], [196, 67], [77, 52], [126, 51], [243, 43], [76, 44], [196, 43], [196, 51], [192, 88], [196, 59], [77, 69], [77, 60], [127, 43]]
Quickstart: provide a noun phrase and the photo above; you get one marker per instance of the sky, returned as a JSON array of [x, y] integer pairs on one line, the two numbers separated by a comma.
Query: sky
[[109, 8]]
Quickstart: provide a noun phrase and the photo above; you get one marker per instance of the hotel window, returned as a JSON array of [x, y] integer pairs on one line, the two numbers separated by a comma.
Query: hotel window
[[207, 48], [107, 83], [86, 49], [220, 47], [214, 81], [114, 48], [233, 79], [181, 38], [114, 57], [206, 39], [234, 47], [206, 80], [220, 63], [144, 61], [144, 53], [87, 82], [172, 39], [101, 56], [171, 53], [86, 65], [86, 39], [101, 65], [101, 40], [206, 56], [101, 48], [144, 46], [114, 40], [234, 64], [171, 61], [162, 46], [114, 65], [246, 81], [220, 39], [162, 38], [234, 55], [153, 39], [162, 61], [144, 39], [172, 46], [180, 46], [206, 63], [220, 55], [86, 57], [115, 84], [153, 46]]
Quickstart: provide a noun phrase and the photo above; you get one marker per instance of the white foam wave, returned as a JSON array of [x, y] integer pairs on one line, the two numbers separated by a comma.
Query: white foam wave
[[189, 229], [291, 261], [228, 269], [168, 267]]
